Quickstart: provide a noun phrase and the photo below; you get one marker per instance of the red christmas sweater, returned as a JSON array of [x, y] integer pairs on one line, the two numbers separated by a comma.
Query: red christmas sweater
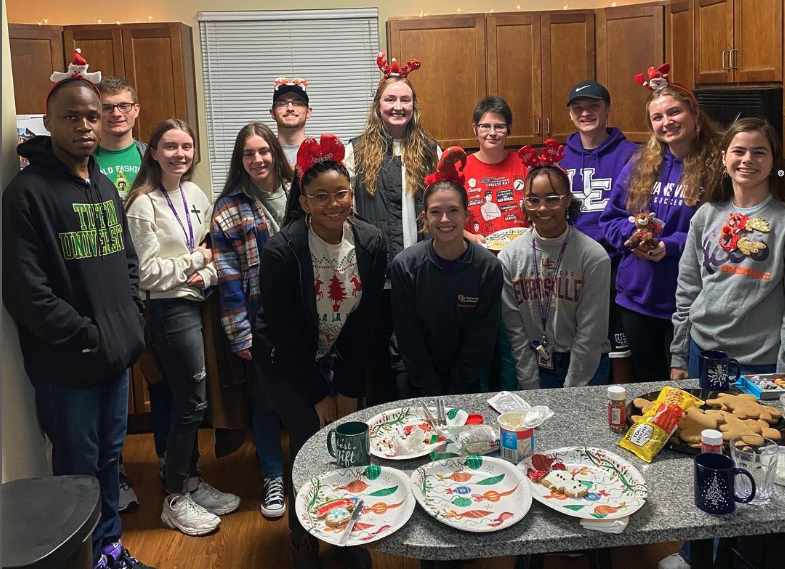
[[495, 194]]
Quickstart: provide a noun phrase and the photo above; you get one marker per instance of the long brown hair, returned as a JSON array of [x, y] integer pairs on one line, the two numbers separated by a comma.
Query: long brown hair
[[723, 190], [700, 164], [237, 176], [149, 177], [417, 149]]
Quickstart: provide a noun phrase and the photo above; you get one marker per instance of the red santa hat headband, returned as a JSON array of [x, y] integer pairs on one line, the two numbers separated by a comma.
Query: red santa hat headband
[[395, 70], [77, 71], [328, 148], [658, 80], [447, 167], [552, 153]]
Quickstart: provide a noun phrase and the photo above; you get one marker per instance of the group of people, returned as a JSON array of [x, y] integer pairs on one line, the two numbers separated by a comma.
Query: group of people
[[340, 266]]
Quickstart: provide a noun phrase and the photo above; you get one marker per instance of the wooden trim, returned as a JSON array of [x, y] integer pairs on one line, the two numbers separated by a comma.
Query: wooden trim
[[703, 3]]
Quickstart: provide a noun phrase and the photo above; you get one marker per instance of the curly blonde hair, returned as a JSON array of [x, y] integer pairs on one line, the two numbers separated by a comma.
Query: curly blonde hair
[[701, 164], [417, 149]]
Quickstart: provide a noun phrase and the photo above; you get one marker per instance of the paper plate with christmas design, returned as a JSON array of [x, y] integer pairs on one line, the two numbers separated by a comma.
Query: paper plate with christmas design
[[325, 503], [585, 482], [499, 239], [478, 494], [404, 433]]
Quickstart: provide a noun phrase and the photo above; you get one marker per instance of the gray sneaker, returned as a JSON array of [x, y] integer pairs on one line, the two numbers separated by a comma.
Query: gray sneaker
[[184, 514], [128, 498], [215, 501]]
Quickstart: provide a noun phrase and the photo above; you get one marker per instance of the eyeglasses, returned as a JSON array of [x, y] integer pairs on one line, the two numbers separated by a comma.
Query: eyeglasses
[[551, 202], [122, 107], [485, 128], [295, 104], [323, 199]]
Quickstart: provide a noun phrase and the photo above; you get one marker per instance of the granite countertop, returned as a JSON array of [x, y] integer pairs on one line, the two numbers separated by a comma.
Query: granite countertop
[[669, 514]]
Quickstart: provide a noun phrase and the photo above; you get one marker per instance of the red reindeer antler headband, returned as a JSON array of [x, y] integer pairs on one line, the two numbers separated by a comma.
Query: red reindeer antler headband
[[658, 79], [552, 153], [447, 168], [327, 149], [393, 69]]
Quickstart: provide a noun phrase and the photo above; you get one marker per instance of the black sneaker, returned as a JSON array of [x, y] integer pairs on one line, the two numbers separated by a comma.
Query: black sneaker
[[305, 551], [119, 558], [356, 558], [273, 505]]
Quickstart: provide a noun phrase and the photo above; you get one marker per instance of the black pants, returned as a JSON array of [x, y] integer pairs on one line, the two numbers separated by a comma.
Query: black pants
[[650, 344], [383, 383]]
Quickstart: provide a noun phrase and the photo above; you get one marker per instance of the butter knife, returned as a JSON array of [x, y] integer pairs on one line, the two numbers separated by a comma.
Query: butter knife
[[355, 516]]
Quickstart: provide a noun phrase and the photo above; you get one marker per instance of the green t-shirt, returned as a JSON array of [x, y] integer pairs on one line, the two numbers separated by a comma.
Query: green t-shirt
[[120, 166]]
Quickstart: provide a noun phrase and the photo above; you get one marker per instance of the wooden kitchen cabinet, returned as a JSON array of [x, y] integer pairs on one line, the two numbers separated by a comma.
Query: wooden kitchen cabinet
[[157, 59], [452, 78], [738, 41], [680, 41], [36, 52], [630, 39]]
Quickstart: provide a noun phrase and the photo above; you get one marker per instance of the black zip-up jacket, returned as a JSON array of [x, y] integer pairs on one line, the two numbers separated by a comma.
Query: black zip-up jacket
[[70, 274], [286, 329], [446, 323]]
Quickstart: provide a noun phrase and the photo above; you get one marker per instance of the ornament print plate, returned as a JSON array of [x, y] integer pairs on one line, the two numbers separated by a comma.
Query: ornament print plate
[[498, 240], [405, 423], [386, 492], [615, 488], [476, 493]]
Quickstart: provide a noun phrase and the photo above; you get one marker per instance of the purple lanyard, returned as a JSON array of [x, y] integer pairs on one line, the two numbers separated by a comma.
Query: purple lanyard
[[189, 237], [545, 310]]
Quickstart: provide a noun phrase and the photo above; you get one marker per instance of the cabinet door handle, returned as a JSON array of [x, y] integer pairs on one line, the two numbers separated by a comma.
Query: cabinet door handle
[[723, 59], [547, 126], [732, 59], [537, 128]]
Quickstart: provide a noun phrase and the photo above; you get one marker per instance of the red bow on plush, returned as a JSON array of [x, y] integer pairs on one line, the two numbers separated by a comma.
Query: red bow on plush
[[328, 148], [658, 79], [447, 168], [393, 69], [551, 154]]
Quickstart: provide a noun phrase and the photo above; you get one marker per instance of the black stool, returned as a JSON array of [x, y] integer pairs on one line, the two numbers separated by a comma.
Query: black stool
[[48, 523]]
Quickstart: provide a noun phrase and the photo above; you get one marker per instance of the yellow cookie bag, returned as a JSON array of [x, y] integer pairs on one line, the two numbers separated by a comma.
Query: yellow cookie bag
[[647, 437]]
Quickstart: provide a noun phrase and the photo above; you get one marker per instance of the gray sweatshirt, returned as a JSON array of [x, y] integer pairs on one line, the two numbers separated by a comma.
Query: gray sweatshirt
[[731, 301], [578, 316]]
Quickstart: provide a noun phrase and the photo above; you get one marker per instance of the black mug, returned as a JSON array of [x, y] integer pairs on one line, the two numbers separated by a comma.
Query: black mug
[[715, 477], [713, 366], [352, 444]]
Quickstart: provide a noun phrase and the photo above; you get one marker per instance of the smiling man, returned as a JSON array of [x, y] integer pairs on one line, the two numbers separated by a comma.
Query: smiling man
[[119, 156], [71, 283], [594, 156], [290, 111]]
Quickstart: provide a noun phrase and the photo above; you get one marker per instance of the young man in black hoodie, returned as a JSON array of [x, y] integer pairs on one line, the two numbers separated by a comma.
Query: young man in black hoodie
[[71, 284]]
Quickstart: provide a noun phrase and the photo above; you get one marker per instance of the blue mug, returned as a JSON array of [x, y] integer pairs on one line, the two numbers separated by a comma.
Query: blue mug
[[715, 477], [713, 367]]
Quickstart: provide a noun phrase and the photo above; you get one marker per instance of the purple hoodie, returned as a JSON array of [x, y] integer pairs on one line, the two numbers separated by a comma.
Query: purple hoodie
[[592, 175], [645, 286]]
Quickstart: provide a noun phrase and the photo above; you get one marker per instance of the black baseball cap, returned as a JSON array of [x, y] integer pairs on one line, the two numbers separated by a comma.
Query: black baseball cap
[[589, 90], [296, 86]]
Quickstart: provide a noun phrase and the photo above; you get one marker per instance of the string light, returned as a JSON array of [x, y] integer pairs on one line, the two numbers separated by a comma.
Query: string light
[[99, 21], [46, 20], [519, 8], [565, 7]]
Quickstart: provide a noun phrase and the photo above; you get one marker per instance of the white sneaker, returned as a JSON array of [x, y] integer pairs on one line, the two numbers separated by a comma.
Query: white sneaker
[[128, 498], [189, 517], [673, 561], [273, 505], [215, 501]]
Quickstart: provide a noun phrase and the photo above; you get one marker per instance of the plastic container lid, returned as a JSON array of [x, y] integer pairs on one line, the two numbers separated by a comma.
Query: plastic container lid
[[711, 437], [617, 393]]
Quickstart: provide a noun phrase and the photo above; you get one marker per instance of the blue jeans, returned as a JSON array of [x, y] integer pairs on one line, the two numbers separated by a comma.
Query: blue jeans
[[266, 427], [553, 378], [176, 330], [87, 431], [693, 368]]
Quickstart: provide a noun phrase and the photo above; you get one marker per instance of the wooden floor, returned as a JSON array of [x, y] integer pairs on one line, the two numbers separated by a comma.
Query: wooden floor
[[247, 540]]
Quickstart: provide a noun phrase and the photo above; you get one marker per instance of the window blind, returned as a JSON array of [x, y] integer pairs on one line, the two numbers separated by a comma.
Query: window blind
[[244, 52]]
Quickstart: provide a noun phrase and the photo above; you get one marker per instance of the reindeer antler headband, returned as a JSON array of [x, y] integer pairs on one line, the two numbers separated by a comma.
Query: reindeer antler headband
[[447, 168], [328, 148], [658, 79], [393, 69], [552, 153]]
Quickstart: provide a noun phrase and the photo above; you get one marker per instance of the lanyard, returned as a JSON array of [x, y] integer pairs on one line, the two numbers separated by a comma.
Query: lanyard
[[545, 310], [189, 237]]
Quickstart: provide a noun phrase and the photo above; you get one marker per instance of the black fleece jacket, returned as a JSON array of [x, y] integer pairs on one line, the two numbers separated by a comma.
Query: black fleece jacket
[[70, 274], [286, 329]]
